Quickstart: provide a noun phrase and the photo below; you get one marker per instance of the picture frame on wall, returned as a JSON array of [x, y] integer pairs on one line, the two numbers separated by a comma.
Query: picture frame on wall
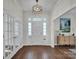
[[65, 24]]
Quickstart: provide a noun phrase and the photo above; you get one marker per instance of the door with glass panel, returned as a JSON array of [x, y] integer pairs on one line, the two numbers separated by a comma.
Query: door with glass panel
[[10, 35], [38, 31]]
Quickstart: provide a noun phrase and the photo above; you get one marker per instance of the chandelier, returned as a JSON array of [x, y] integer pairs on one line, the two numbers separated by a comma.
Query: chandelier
[[37, 9]]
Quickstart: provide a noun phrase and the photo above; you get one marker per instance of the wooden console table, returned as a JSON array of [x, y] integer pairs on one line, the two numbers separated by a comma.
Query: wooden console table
[[66, 40]]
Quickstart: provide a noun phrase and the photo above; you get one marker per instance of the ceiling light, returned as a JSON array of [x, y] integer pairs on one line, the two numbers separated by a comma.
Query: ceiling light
[[37, 9]]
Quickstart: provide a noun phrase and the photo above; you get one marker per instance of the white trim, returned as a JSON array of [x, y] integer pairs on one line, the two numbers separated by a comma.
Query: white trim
[[37, 44]]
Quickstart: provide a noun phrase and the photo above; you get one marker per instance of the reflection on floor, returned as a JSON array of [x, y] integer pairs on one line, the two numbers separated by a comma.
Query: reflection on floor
[[44, 52], [73, 51]]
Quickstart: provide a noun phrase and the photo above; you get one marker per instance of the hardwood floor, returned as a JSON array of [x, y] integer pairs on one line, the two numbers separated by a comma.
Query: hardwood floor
[[43, 52]]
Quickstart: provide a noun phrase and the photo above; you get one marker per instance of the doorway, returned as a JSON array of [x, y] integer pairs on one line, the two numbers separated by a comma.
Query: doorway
[[38, 31]]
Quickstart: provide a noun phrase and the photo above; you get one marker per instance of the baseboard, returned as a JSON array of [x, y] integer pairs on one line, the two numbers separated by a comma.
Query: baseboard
[[37, 44], [66, 46]]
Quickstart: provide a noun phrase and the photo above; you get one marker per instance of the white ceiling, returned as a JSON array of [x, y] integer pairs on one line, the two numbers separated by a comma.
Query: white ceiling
[[47, 5]]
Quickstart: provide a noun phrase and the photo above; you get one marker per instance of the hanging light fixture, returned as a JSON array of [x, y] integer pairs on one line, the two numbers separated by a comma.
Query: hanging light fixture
[[37, 9]]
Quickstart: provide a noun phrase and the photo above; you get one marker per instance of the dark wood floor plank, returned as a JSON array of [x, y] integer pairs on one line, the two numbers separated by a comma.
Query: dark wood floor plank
[[43, 52]]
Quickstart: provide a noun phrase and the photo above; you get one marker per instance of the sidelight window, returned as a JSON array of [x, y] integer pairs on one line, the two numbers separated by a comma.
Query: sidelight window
[[44, 28], [29, 29]]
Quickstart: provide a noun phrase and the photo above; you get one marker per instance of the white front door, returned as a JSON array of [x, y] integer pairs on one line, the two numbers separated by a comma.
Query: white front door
[[38, 32]]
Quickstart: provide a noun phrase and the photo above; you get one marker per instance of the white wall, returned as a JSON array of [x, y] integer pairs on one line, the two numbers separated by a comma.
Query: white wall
[[39, 41], [61, 7], [70, 14]]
